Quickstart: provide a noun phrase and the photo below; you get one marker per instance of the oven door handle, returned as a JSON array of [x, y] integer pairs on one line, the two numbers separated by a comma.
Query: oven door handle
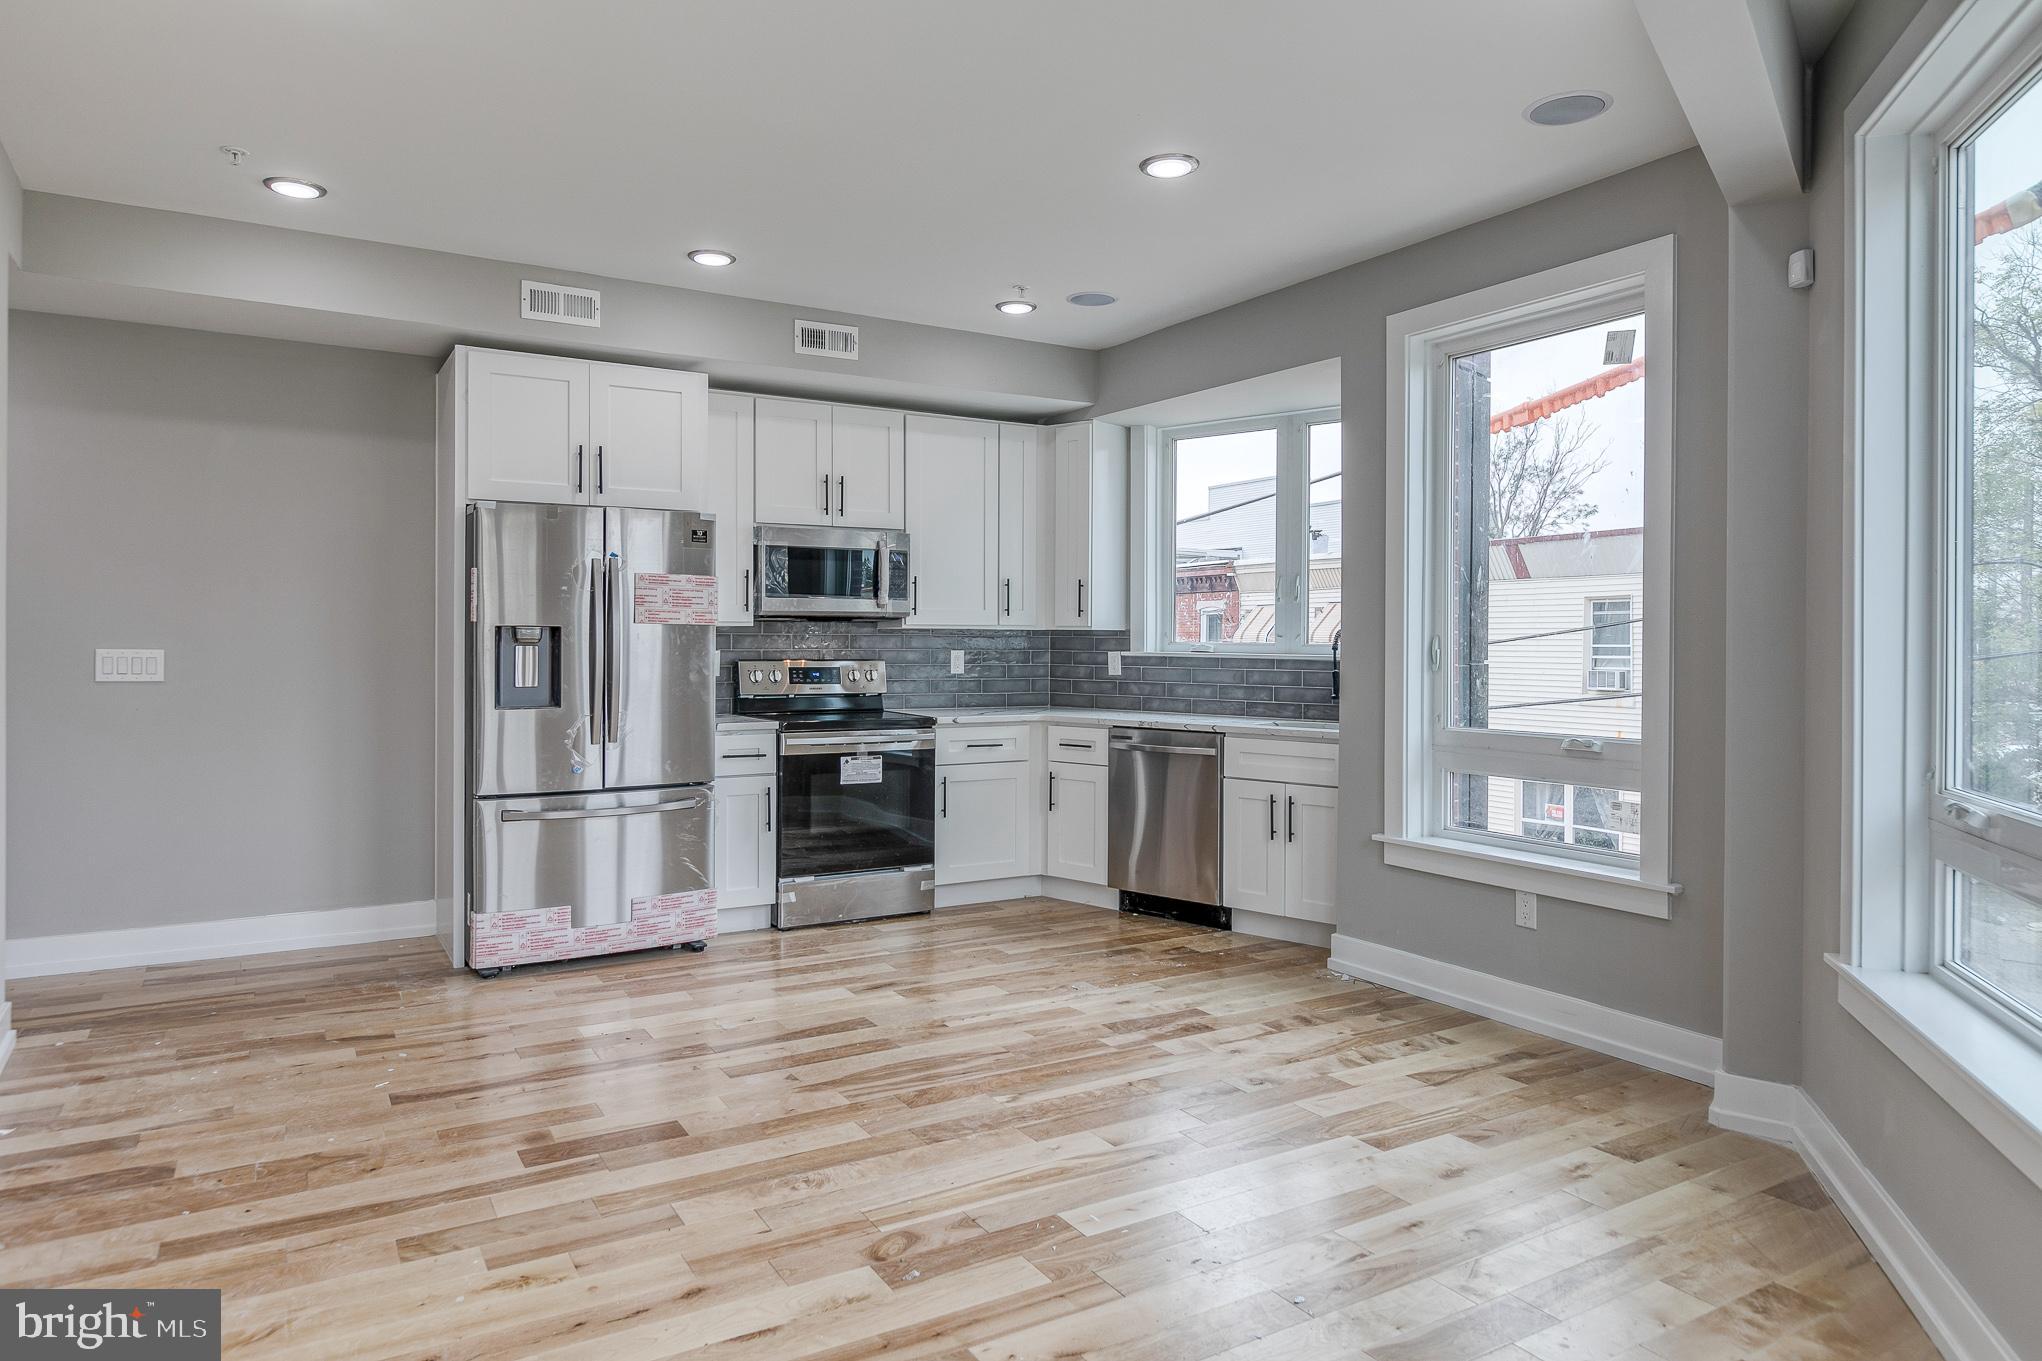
[[851, 746]]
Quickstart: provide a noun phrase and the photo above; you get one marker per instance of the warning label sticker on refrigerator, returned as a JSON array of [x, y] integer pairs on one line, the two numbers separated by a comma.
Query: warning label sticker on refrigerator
[[858, 770], [663, 598]]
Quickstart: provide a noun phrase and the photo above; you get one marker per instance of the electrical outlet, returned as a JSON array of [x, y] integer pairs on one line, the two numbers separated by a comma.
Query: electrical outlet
[[1113, 663], [127, 664], [956, 661], [1528, 910]]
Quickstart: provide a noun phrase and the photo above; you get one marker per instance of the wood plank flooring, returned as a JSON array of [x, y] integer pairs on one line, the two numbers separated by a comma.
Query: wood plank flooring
[[1022, 1131]]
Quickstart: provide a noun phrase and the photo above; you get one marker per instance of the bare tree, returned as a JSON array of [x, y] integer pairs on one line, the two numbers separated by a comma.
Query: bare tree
[[1539, 474]]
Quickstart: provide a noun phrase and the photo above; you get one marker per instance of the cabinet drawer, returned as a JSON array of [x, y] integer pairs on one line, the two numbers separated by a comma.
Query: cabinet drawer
[[747, 753], [1282, 759], [1085, 746], [970, 746]]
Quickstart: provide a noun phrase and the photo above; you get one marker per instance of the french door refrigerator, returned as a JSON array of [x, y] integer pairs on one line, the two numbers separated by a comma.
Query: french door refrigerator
[[592, 731]]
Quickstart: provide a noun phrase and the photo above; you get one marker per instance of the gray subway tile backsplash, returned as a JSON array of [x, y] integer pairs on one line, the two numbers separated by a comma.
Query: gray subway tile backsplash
[[1025, 668]]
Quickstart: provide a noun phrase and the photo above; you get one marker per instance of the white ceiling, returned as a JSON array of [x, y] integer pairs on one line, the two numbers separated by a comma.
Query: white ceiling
[[900, 158], [1816, 23]]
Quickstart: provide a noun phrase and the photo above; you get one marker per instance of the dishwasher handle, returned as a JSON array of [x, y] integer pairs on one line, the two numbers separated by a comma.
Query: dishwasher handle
[[1165, 750]]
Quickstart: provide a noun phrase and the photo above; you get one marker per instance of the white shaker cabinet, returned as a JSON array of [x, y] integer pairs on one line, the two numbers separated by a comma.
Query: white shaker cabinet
[[988, 823], [1074, 841], [745, 873], [728, 495], [1089, 579], [819, 464], [1279, 848], [1027, 542], [537, 427], [953, 498], [648, 429]]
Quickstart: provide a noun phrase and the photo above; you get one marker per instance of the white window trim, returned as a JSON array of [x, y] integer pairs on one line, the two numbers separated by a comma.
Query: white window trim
[[1293, 530], [1639, 276], [1888, 977]]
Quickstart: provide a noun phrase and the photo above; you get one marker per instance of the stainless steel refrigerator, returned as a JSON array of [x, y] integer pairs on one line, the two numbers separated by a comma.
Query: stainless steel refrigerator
[[592, 731]]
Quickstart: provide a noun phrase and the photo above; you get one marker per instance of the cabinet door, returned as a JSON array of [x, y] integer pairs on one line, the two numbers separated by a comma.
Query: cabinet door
[[1075, 841], [648, 429], [986, 820], [1069, 587], [1252, 848], [727, 482], [744, 873], [1027, 482], [791, 463], [869, 451], [953, 471], [527, 433], [1312, 852]]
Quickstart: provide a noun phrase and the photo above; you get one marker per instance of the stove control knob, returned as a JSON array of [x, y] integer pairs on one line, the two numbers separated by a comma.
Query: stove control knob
[[870, 674], [773, 676], [753, 675]]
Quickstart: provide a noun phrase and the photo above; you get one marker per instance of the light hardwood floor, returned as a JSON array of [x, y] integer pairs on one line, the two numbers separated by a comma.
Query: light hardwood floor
[[1027, 1130]]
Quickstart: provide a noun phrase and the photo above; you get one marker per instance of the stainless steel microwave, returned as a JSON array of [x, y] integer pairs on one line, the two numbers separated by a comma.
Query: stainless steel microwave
[[805, 572]]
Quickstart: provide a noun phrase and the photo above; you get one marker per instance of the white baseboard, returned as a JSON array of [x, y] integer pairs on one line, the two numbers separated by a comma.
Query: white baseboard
[[731, 920], [1026, 886], [1948, 1314], [1297, 932], [38, 956], [1748, 1105], [1655, 1044], [6, 1033]]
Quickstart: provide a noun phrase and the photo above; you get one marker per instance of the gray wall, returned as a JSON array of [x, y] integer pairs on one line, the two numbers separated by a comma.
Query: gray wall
[[10, 252], [1670, 970], [1978, 1212], [263, 511]]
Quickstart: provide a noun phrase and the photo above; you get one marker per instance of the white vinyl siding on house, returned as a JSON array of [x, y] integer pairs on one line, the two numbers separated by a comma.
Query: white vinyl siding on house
[[1530, 681]]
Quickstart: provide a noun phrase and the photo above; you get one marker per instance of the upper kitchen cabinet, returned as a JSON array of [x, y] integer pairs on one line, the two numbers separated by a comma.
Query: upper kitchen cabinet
[[650, 432], [1027, 486], [535, 427], [818, 464], [1089, 569], [954, 511], [728, 497]]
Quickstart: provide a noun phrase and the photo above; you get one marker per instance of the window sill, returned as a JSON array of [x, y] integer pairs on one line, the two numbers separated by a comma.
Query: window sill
[[1550, 875], [1986, 1073]]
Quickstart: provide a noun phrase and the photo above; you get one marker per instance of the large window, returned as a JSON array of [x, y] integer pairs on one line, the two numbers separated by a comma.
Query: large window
[[1531, 434], [1988, 817], [1251, 534]]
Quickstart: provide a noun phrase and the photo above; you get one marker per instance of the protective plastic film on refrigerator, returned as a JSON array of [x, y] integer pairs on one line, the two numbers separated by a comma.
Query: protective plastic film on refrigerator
[[592, 731]]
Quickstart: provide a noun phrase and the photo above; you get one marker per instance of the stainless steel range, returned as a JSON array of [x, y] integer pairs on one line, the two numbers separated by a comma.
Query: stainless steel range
[[857, 817]]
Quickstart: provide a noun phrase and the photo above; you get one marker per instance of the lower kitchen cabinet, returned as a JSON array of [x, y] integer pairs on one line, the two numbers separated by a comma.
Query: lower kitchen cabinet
[[1279, 848], [1074, 845], [745, 873], [988, 822]]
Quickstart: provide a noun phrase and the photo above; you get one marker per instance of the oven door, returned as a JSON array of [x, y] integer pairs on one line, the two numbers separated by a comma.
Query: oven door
[[856, 803], [830, 572]]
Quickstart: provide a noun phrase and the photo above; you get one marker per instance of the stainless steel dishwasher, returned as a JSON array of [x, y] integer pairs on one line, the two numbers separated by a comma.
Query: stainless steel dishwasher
[[1163, 813]]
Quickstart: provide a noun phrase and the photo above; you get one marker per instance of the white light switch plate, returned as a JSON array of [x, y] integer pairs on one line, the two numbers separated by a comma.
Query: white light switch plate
[[127, 664], [1113, 663], [1528, 910], [956, 661]]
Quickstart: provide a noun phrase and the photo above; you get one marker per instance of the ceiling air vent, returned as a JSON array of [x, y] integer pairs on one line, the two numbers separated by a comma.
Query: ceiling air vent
[[826, 338], [558, 302]]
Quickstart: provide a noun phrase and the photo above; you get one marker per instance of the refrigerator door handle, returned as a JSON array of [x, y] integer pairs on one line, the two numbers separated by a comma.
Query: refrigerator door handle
[[612, 699], [595, 667], [572, 814]]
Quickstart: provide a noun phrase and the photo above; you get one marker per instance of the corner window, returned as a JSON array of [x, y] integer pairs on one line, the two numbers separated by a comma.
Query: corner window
[[1530, 540], [1250, 548]]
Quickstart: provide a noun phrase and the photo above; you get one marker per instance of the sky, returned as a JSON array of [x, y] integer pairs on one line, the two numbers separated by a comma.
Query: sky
[[1518, 373]]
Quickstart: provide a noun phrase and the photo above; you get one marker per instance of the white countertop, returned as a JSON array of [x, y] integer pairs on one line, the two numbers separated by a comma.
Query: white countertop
[[1109, 718]]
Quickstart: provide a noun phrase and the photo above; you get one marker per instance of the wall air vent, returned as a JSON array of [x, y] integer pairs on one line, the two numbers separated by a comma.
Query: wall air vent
[[558, 302], [826, 338]]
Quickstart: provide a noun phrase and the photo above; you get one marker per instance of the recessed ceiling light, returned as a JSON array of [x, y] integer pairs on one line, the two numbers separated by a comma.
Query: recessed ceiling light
[[715, 259], [1171, 165], [1016, 306], [294, 188], [1092, 299], [1577, 106]]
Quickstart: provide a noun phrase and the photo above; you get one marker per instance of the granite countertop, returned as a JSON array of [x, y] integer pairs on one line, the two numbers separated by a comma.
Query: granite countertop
[[1103, 718]]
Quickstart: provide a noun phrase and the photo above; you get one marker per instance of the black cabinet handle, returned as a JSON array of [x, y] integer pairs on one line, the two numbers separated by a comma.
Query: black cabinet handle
[[769, 808], [1290, 819], [943, 791], [1052, 791], [599, 470], [1008, 587], [1272, 817], [577, 468], [840, 496], [1081, 597]]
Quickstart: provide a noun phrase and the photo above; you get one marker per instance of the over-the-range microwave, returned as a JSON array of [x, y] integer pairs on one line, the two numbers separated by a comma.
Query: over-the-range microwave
[[801, 571]]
